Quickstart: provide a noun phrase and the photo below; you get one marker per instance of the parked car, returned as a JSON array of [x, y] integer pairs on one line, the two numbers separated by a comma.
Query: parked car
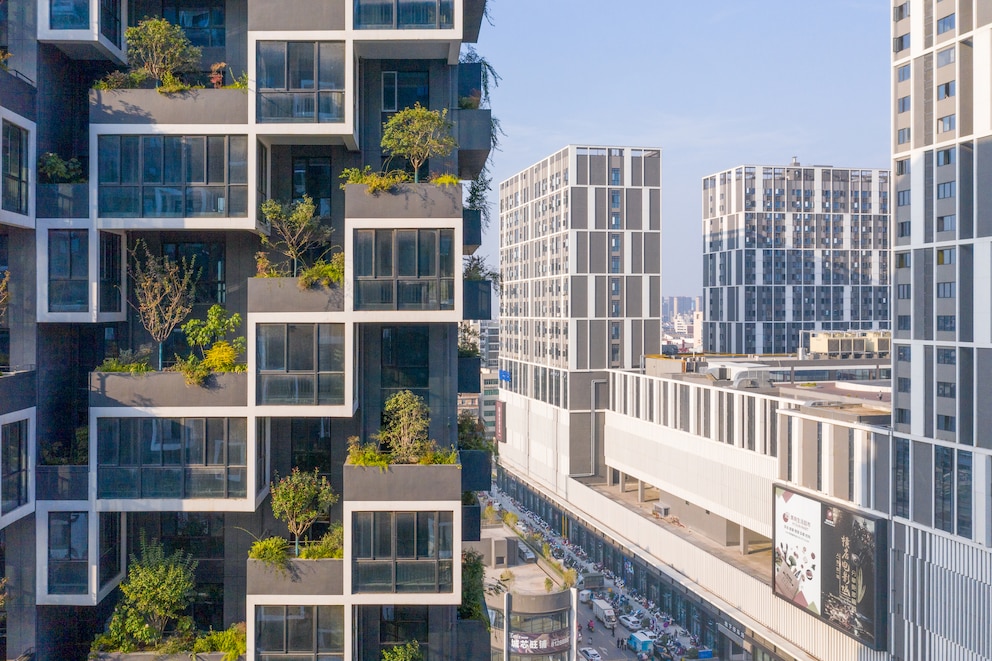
[[632, 622], [590, 653]]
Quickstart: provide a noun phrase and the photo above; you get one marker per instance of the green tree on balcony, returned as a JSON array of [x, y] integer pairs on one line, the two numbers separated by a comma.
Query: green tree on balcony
[[161, 50], [299, 499], [417, 134], [163, 292]]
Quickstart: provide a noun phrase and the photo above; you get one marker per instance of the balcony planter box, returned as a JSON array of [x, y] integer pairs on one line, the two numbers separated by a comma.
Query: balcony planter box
[[474, 132], [284, 295], [471, 230], [403, 482], [477, 470], [309, 577], [63, 201], [62, 482], [166, 389], [468, 373], [477, 298], [157, 656], [147, 106], [404, 201], [471, 523]]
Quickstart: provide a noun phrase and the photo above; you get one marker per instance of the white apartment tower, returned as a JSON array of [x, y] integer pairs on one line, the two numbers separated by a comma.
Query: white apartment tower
[[580, 257], [788, 249], [942, 266]]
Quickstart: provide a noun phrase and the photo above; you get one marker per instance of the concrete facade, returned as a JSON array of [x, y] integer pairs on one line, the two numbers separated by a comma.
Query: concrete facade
[[940, 461]]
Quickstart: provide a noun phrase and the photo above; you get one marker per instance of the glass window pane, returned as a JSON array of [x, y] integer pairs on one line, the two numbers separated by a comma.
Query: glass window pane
[[406, 524], [130, 159], [195, 159], [130, 432], [195, 432], [363, 252], [151, 159], [301, 65], [237, 203], [447, 253], [383, 253], [172, 160], [427, 253], [330, 389], [362, 534], [108, 443], [299, 628], [406, 253], [383, 534], [238, 159], [171, 441], [271, 347], [215, 441], [330, 348], [374, 576], [237, 442], [109, 159], [78, 255], [270, 623], [271, 65], [58, 254], [330, 629], [416, 576], [331, 69], [445, 535], [300, 340], [216, 164], [426, 533]]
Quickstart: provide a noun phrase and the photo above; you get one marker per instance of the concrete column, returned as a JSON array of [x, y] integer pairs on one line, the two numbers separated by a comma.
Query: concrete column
[[640, 491], [623, 481]]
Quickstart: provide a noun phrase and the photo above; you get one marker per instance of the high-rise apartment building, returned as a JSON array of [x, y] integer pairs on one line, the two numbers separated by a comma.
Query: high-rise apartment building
[[91, 461], [580, 259], [788, 249], [941, 457], [489, 343]]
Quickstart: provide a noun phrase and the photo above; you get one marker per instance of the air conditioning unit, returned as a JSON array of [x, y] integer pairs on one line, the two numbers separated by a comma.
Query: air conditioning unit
[[662, 509]]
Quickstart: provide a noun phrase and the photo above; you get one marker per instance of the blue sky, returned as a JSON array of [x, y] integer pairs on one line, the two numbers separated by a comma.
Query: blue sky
[[713, 83]]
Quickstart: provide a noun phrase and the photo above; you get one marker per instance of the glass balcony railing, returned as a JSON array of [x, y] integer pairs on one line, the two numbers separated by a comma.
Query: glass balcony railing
[[326, 107], [404, 14], [408, 294]]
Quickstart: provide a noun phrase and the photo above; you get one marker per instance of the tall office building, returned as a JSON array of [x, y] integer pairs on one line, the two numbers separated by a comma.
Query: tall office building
[[941, 458], [788, 249], [580, 258], [91, 461]]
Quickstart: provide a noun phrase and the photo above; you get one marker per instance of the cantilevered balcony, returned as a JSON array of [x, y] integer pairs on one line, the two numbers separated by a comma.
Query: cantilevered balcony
[[405, 251], [84, 29]]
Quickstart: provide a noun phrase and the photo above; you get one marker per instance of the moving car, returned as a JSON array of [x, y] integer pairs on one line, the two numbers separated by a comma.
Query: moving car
[[590, 653]]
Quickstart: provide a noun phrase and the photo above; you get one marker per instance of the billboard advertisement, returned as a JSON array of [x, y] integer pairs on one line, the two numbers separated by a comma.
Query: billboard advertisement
[[831, 562], [540, 643]]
